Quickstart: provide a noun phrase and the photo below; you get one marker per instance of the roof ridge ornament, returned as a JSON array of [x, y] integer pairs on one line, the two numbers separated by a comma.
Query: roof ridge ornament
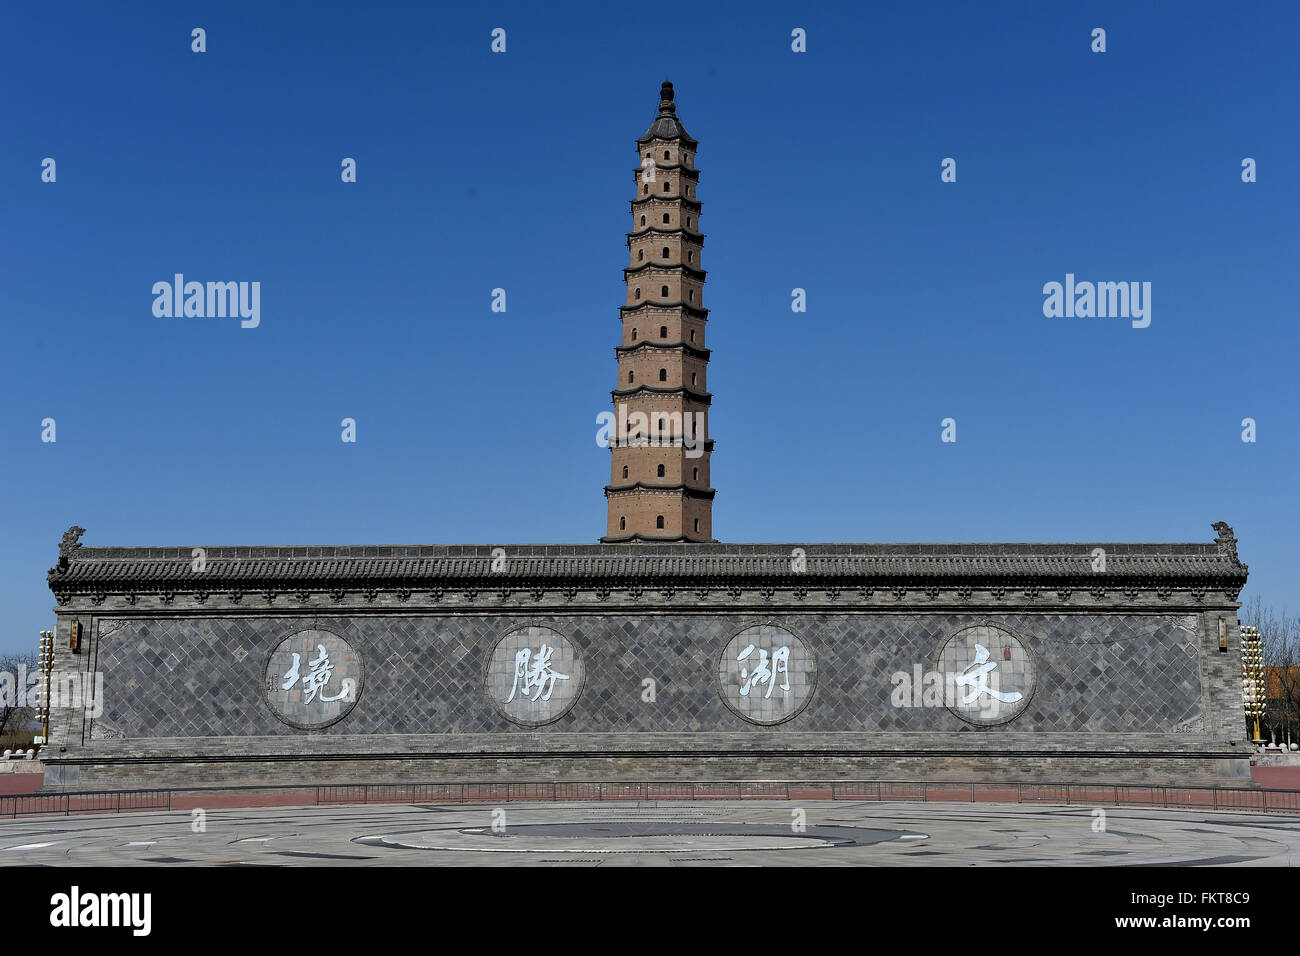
[[1226, 541], [70, 542]]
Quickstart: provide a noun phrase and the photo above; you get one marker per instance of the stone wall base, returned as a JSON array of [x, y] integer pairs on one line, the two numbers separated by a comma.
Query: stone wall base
[[1159, 769], [21, 766]]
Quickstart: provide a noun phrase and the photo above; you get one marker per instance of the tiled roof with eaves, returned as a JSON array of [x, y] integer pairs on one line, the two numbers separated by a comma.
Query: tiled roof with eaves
[[853, 565]]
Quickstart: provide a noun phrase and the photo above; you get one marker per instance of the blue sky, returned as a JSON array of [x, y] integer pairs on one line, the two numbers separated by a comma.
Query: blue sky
[[479, 170]]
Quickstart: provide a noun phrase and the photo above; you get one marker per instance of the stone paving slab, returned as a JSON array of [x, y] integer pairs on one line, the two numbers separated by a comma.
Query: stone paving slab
[[717, 833]]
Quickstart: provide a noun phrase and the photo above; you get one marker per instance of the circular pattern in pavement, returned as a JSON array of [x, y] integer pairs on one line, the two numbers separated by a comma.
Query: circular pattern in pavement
[[635, 837]]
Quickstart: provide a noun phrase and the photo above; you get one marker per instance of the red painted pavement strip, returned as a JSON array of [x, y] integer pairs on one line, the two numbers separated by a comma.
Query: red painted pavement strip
[[1277, 778], [20, 782], [995, 796]]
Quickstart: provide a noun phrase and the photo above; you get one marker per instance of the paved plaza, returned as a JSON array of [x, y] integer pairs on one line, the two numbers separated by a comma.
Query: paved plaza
[[715, 833]]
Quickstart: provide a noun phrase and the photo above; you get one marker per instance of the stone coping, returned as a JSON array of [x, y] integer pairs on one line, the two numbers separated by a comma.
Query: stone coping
[[701, 744]]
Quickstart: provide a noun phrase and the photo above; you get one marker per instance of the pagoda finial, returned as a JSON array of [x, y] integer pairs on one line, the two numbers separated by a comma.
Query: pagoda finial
[[666, 104]]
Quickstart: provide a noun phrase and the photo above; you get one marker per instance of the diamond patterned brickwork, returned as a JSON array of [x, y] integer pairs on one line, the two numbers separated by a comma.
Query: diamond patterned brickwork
[[196, 677]]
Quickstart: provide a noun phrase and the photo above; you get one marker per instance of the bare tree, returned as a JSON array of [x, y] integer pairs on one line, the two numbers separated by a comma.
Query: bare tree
[[1280, 643], [16, 714]]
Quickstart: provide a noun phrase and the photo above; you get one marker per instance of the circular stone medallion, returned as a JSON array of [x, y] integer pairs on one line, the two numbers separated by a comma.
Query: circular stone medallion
[[534, 675], [766, 675], [988, 674], [313, 679]]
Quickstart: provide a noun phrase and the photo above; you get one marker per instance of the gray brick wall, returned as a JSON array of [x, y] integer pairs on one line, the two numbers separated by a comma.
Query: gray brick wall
[[1119, 695], [200, 677]]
